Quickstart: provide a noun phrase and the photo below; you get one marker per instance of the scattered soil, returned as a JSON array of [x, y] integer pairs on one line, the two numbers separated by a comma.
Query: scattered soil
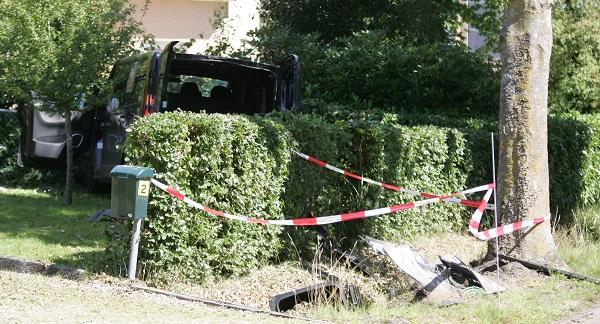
[[255, 289], [386, 280], [261, 285]]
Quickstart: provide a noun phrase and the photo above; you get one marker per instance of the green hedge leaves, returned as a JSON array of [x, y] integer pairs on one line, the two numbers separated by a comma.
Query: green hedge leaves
[[244, 165], [226, 162]]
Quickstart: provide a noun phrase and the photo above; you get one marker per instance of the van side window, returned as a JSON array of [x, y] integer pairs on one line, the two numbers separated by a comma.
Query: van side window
[[129, 81]]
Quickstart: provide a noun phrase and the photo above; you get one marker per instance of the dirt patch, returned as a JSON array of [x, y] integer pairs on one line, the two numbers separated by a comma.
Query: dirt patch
[[386, 281], [255, 289]]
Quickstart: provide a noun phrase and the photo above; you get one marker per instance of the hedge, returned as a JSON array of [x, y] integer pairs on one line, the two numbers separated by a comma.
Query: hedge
[[244, 165], [9, 144], [227, 162], [573, 148], [388, 73]]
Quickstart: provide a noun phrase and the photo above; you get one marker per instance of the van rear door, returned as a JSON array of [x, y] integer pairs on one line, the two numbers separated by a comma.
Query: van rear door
[[290, 96]]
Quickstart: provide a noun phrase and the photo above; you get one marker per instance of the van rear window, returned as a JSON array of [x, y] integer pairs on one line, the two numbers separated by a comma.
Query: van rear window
[[203, 85]]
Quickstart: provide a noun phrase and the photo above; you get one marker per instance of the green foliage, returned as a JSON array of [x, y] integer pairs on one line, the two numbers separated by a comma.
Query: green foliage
[[243, 165], [573, 141], [424, 158], [416, 21], [387, 73], [575, 63], [9, 143], [574, 66], [232, 163], [61, 49]]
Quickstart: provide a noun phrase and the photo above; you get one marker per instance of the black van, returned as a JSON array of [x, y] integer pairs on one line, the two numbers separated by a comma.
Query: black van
[[151, 83]]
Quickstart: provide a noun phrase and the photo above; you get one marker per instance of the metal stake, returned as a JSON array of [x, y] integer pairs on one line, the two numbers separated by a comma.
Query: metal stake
[[496, 222], [133, 248]]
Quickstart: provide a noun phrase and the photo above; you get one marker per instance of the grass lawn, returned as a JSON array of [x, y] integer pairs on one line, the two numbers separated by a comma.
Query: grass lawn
[[37, 226]]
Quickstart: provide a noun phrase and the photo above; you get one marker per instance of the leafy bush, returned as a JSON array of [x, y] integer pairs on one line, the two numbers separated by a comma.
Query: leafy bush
[[425, 158], [243, 165], [573, 142], [230, 163], [575, 64], [9, 143], [388, 73], [419, 21]]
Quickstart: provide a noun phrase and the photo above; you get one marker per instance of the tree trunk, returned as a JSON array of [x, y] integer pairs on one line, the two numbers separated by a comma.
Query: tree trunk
[[523, 186], [68, 197]]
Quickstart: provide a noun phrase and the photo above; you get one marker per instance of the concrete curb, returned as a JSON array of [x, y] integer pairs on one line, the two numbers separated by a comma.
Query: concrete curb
[[48, 269]]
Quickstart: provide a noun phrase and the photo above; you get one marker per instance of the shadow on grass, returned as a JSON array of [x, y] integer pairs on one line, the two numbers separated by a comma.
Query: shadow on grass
[[38, 226], [26, 214], [91, 261]]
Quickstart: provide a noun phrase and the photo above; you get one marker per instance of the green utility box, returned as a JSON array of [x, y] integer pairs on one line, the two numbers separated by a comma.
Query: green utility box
[[130, 189]]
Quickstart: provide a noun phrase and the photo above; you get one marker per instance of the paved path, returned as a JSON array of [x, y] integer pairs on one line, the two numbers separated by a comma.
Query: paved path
[[588, 316], [34, 298]]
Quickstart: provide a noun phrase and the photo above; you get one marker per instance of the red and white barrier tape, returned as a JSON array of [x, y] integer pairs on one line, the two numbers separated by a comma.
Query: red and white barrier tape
[[312, 221], [328, 166], [500, 230]]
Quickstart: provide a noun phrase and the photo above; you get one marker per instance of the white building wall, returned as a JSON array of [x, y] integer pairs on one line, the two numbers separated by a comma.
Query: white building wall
[[243, 17], [182, 20]]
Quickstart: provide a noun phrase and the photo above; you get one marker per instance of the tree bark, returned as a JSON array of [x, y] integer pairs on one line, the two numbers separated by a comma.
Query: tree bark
[[523, 186], [68, 196]]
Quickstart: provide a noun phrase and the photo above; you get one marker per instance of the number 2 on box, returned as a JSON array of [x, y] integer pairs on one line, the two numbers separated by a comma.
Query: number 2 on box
[[143, 188]]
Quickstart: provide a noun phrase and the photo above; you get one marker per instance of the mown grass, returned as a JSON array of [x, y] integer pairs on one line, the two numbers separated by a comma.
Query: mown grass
[[37, 226]]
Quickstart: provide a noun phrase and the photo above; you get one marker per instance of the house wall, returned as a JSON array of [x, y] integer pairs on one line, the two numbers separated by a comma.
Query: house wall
[[181, 20]]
